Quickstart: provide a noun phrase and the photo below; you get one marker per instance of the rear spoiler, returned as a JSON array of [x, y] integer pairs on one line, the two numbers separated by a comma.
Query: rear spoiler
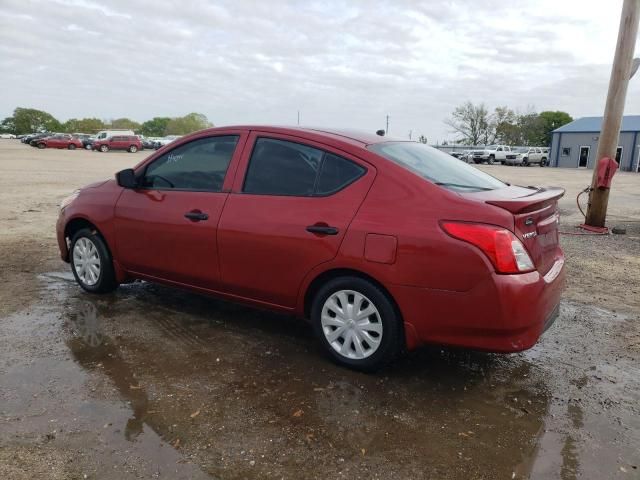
[[537, 200]]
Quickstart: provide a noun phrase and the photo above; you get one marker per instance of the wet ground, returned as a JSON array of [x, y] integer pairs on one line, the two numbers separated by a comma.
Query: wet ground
[[151, 382]]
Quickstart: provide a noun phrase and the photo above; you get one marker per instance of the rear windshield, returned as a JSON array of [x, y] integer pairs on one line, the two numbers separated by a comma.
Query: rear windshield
[[436, 166]]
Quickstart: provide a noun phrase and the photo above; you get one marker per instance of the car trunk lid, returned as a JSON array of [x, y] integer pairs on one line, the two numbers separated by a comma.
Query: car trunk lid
[[536, 219]]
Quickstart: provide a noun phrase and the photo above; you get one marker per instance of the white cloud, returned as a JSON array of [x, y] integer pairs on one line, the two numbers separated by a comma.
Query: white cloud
[[341, 63]]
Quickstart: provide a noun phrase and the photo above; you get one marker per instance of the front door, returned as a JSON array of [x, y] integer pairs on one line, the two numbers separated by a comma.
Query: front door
[[167, 227], [584, 157], [286, 215]]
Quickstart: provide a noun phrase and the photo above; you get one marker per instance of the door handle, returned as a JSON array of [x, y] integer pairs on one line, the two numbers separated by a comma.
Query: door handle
[[322, 229], [196, 216]]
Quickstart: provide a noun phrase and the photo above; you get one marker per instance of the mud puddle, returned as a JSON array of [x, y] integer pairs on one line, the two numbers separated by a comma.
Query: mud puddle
[[154, 382]]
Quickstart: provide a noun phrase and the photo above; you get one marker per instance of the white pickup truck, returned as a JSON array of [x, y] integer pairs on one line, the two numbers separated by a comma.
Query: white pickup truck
[[493, 153]]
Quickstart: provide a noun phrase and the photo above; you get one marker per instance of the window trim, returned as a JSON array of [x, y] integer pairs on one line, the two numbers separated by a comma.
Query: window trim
[[315, 183], [143, 171]]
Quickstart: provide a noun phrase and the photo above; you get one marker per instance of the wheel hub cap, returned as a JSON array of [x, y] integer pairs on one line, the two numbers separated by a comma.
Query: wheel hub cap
[[86, 261], [351, 324]]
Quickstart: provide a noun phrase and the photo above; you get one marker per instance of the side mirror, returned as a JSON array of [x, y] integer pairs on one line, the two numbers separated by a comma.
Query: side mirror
[[127, 178]]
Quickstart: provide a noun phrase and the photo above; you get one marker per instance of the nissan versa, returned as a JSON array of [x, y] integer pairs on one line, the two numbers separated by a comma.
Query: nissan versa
[[384, 245]]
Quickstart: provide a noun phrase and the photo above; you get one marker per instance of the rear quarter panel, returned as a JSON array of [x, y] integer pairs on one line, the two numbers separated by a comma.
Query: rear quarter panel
[[410, 209]]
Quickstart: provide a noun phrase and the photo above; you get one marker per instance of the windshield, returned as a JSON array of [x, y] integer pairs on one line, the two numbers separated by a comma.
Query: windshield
[[436, 166]]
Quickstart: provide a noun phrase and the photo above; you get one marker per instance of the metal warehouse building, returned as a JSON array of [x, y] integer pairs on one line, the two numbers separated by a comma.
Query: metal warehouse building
[[576, 144]]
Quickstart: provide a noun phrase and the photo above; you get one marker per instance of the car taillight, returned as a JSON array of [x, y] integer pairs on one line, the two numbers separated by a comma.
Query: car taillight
[[500, 245]]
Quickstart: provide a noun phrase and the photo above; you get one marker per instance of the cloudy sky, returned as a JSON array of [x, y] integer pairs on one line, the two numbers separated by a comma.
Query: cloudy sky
[[340, 63]]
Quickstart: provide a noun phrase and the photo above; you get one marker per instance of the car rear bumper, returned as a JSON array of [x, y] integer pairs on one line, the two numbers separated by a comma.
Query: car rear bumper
[[504, 313]]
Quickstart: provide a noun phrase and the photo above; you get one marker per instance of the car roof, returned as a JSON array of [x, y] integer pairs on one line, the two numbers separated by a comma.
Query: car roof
[[351, 136]]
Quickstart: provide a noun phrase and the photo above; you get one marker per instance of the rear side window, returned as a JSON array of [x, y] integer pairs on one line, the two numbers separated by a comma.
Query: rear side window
[[279, 167], [336, 173], [436, 166], [200, 165]]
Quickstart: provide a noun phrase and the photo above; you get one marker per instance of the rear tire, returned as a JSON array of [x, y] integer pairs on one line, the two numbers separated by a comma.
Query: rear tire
[[347, 334], [91, 262], [543, 162]]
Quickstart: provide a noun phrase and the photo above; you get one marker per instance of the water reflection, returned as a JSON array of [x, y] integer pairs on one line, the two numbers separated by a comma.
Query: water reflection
[[188, 366], [94, 350], [569, 470]]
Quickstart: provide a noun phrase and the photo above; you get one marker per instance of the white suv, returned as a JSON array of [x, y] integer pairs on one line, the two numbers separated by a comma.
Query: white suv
[[532, 155]]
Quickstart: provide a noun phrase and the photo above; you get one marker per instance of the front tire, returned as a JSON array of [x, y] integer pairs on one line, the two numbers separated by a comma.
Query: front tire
[[42, 145], [91, 262], [491, 160], [71, 146], [356, 323], [104, 148], [133, 149]]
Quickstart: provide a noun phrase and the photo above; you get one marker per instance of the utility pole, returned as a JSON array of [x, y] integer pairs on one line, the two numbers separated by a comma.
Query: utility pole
[[386, 132], [620, 74]]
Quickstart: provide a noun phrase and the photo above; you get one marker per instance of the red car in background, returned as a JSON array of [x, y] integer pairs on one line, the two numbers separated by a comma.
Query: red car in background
[[382, 244], [130, 143], [59, 141]]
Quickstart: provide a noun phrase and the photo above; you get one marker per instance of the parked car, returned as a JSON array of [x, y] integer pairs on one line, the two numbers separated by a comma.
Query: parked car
[[7, 136], [148, 143], [130, 143], [58, 141], [161, 142], [493, 153], [517, 161], [533, 155], [34, 136], [384, 245], [104, 134]]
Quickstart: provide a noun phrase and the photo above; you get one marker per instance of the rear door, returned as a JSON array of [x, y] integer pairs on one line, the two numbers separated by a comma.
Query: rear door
[[55, 142], [289, 210], [167, 228]]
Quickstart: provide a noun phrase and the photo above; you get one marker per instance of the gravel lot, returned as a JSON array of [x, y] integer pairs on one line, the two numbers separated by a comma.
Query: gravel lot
[[151, 382]]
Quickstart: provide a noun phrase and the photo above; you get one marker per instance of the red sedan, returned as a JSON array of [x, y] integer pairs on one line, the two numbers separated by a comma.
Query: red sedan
[[382, 244], [60, 141]]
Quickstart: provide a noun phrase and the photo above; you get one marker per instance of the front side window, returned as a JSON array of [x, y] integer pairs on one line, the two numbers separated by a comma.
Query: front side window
[[436, 166], [200, 165], [279, 167]]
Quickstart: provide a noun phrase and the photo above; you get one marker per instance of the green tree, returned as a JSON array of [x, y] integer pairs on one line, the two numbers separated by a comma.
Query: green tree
[[28, 120], [156, 127], [550, 121], [187, 124], [504, 126], [84, 125], [531, 130], [8, 125], [125, 123]]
